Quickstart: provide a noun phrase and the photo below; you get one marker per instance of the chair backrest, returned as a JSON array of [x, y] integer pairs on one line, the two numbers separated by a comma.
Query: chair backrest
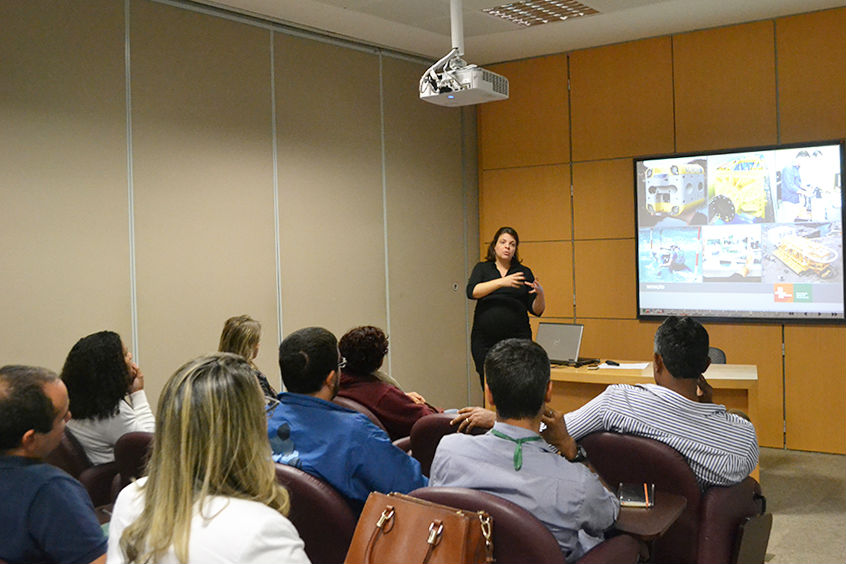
[[321, 515], [427, 432], [69, 455], [359, 407], [630, 459], [97, 479], [717, 356], [518, 536], [132, 450]]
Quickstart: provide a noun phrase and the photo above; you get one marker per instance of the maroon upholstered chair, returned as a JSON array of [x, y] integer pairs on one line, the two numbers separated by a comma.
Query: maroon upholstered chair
[[427, 432], [402, 443], [323, 518], [709, 529], [132, 451], [518, 536], [359, 407], [71, 457]]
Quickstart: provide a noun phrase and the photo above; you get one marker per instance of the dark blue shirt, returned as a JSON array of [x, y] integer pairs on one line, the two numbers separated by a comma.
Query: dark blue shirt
[[45, 515], [341, 447]]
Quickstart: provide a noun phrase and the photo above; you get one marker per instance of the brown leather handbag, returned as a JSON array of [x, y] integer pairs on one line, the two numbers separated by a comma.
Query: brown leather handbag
[[397, 528]]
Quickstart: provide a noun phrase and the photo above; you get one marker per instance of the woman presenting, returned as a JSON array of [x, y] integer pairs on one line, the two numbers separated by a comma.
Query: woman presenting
[[505, 290]]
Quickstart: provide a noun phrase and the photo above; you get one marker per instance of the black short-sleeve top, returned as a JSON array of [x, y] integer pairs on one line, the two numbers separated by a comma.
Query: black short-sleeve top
[[502, 313]]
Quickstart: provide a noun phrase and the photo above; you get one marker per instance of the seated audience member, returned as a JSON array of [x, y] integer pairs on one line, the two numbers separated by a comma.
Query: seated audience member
[[515, 462], [106, 392], [46, 515], [241, 335], [365, 349], [211, 493], [720, 446], [333, 443]]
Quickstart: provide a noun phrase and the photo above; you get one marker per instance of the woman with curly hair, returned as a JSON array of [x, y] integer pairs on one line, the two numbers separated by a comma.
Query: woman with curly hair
[[211, 493], [106, 391], [241, 335], [364, 349]]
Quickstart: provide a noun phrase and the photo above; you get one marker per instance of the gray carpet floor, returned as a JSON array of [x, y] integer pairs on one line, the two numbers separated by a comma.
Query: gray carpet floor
[[806, 493]]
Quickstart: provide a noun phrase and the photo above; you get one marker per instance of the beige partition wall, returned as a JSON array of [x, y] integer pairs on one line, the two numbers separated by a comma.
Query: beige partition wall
[[426, 239], [203, 183], [329, 155], [64, 215], [774, 81]]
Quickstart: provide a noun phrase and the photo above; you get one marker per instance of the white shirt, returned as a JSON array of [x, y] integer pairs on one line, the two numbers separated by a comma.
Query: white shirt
[[98, 436], [232, 531], [720, 447]]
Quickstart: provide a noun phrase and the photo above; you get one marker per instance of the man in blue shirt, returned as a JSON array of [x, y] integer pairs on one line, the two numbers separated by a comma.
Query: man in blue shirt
[[542, 474], [46, 515], [335, 444]]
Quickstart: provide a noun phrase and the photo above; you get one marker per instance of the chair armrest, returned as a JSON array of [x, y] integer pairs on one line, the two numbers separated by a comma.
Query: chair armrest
[[723, 511], [622, 549], [404, 444], [98, 482]]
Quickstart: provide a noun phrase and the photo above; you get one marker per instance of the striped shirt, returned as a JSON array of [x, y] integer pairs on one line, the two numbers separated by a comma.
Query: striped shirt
[[720, 447]]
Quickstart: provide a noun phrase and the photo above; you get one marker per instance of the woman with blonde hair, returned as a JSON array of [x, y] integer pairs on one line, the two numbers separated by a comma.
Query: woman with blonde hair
[[211, 493], [241, 335]]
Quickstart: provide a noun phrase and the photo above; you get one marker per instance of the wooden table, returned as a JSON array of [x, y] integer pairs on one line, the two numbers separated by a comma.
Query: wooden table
[[735, 385]]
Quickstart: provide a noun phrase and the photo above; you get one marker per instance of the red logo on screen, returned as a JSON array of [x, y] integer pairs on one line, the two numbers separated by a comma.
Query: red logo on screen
[[783, 292]]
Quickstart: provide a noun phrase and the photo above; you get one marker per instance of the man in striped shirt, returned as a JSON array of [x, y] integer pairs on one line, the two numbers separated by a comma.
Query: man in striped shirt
[[720, 446]]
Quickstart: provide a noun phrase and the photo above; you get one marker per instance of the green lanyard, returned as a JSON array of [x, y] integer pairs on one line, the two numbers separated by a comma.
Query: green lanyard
[[518, 450]]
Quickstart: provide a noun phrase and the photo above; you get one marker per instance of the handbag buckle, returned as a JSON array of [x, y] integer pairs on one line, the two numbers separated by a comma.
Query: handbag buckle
[[485, 520], [435, 530], [387, 515]]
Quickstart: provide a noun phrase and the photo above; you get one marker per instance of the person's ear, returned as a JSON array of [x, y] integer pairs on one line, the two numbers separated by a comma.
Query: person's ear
[[548, 396], [29, 441], [489, 397], [657, 363], [329, 381]]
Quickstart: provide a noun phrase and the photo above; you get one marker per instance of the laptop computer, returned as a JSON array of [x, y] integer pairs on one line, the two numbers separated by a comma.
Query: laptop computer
[[562, 341]]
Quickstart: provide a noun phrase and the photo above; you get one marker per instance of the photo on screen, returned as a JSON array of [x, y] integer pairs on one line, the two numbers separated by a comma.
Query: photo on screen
[[753, 234]]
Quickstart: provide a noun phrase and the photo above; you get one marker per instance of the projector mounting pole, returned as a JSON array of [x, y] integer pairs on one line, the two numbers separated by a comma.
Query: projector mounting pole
[[456, 21]]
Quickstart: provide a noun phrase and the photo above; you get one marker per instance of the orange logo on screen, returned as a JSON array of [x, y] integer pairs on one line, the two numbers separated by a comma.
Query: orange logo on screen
[[783, 292]]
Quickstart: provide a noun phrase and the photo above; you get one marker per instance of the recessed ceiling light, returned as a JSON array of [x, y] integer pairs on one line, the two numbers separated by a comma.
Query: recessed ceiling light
[[536, 12]]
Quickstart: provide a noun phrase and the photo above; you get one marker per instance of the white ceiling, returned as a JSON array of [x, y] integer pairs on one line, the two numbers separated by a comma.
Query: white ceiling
[[422, 27]]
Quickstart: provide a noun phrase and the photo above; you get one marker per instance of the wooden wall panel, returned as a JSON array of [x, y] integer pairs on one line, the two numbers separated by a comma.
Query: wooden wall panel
[[618, 339], [203, 170], [725, 87], [603, 200], [605, 278], [535, 201], [759, 345], [330, 186], [64, 226], [622, 100], [552, 265], [426, 252], [815, 388], [810, 46], [532, 126]]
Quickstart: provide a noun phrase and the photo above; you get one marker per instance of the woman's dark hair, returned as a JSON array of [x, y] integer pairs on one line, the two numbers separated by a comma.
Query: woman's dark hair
[[364, 348], [96, 376], [491, 256]]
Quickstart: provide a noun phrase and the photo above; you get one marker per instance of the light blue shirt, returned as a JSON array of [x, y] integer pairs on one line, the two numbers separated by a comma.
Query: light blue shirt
[[567, 497]]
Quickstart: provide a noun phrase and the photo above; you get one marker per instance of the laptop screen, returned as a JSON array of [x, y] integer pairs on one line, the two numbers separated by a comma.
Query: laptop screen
[[561, 341]]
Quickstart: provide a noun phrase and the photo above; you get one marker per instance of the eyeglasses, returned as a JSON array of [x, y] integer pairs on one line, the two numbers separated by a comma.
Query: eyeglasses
[[342, 362]]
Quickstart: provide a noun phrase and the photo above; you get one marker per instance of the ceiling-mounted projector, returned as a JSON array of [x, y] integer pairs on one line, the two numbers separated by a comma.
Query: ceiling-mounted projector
[[452, 82]]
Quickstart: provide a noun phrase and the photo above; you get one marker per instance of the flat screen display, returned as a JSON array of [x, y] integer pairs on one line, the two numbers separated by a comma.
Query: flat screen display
[[751, 233]]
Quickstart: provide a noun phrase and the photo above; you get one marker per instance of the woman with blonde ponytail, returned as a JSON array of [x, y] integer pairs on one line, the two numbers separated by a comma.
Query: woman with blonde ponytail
[[210, 494]]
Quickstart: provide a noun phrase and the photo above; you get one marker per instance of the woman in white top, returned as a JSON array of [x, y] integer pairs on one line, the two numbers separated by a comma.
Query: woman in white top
[[211, 494], [106, 391]]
